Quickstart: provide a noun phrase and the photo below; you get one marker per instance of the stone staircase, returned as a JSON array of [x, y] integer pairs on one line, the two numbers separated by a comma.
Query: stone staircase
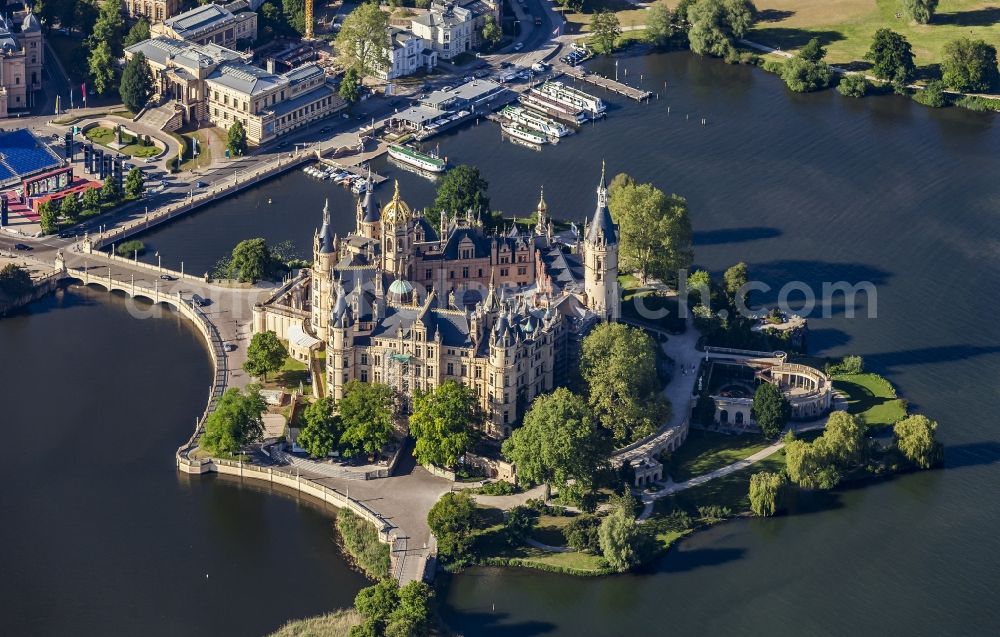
[[166, 117]]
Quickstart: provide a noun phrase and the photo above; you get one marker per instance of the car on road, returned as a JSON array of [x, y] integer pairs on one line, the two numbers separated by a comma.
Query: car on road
[[519, 46], [150, 160], [22, 246], [506, 65], [200, 300], [229, 347], [168, 277], [200, 184], [67, 234], [325, 129]]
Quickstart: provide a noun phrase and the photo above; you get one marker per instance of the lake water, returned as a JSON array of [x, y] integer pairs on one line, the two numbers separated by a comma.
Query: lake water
[[101, 535], [815, 188]]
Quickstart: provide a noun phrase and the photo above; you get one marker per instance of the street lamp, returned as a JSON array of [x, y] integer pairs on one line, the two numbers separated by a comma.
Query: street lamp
[[159, 262]]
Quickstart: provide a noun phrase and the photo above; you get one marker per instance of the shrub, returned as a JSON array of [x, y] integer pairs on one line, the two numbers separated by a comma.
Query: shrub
[[804, 76], [714, 512], [855, 85], [975, 103], [129, 248], [932, 96], [500, 487], [360, 541], [582, 533]]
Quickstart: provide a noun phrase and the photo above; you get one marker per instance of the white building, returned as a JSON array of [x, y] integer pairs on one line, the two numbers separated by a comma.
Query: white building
[[452, 28], [408, 54]]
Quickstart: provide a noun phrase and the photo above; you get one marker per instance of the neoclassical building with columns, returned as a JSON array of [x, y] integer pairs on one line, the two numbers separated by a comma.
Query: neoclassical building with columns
[[410, 303]]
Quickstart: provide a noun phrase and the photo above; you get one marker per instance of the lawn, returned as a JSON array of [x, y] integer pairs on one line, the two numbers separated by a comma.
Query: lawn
[[846, 27], [628, 16], [729, 491], [644, 304], [706, 451], [549, 529], [104, 136], [204, 158], [871, 397], [291, 374]]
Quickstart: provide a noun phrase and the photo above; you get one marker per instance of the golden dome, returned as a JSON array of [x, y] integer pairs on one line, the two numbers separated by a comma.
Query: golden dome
[[396, 211]]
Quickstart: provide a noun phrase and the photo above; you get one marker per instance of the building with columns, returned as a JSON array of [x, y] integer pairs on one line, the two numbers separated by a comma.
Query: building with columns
[[410, 303], [153, 10], [22, 55]]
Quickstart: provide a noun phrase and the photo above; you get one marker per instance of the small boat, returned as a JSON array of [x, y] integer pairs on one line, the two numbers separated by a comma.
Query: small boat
[[425, 161], [517, 131]]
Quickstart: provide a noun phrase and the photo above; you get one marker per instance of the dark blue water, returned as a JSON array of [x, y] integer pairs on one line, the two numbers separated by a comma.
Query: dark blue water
[[100, 534]]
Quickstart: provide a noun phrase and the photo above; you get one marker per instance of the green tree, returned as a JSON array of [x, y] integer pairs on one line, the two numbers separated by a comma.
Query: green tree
[[915, 440], [699, 285], [920, 11], [809, 467], [735, 278], [412, 616], [321, 433], [15, 281], [350, 86], [491, 32], [110, 191], [462, 189], [91, 201], [659, 28], [134, 182], [102, 68], [765, 492], [560, 441], [618, 365], [294, 15], [70, 208], [969, 65], [368, 415], [251, 260], [813, 51], [451, 520], [376, 603], [932, 95], [605, 30], [843, 439], [582, 533], [362, 42], [891, 57], [803, 76], [109, 28], [853, 85], [236, 139], [236, 421], [138, 33], [656, 235], [717, 24], [443, 422], [770, 409], [48, 218], [265, 354], [618, 535]]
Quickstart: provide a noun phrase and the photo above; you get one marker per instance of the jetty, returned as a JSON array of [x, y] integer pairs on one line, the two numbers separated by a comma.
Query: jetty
[[608, 84], [353, 163]]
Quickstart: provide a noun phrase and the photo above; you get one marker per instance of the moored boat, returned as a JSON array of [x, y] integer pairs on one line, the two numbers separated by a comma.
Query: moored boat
[[424, 161], [519, 131]]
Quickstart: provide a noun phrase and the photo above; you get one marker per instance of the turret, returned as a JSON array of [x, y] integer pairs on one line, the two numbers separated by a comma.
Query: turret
[[324, 256], [340, 345], [600, 257], [542, 225], [368, 217]]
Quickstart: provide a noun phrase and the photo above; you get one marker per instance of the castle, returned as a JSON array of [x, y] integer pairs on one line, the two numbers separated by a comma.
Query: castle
[[404, 303]]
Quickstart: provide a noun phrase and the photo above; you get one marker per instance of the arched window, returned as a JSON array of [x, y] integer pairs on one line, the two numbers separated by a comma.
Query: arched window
[[738, 418], [724, 417]]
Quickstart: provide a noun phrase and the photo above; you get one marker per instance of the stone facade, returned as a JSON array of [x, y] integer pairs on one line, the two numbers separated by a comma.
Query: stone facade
[[210, 23], [153, 10], [210, 83], [451, 28], [410, 305], [22, 55]]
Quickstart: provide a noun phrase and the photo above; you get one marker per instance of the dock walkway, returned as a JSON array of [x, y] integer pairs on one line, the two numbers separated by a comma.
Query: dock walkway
[[607, 83]]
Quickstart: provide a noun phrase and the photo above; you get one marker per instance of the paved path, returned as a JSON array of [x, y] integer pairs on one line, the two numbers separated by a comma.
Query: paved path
[[547, 547]]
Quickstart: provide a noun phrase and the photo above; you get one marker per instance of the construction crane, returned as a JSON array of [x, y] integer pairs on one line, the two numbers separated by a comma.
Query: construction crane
[[309, 18]]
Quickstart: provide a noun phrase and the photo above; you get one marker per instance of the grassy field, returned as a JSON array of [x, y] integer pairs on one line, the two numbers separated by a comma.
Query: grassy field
[[728, 491], [651, 301], [204, 158], [628, 16], [104, 136], [872, 397], [706, 451], [335, 624], [289, 376], [549, 529], [846, 27]]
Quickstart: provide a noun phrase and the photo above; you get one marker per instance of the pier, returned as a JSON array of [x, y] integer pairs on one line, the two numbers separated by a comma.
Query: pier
[[608, 84]]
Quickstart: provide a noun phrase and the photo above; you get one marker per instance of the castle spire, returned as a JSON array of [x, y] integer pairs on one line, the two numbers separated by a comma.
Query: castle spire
[[601, 228], [325, 236]]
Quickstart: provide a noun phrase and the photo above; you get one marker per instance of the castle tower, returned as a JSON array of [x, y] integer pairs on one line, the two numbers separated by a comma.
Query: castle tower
[[396, 237], [34, 51], [324, 257], [541, 226], [368, 218], [600, 258], [340, 345]]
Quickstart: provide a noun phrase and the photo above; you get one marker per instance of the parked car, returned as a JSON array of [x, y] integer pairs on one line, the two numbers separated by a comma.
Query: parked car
[[519, 46], [168, 277], [22, 246]]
